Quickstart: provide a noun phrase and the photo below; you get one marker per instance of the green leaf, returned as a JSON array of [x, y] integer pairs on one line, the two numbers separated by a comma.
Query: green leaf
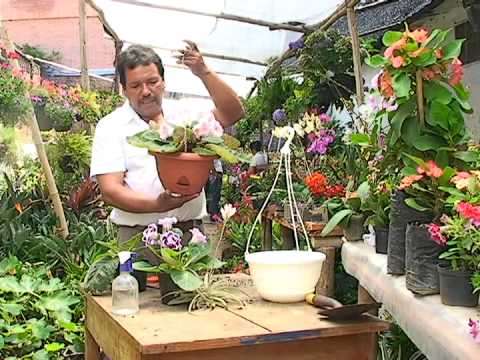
[[41, 355], [413, 204], [212, 140], [442, 158], [428, 142], [170, 256], [100, 275], [448, 173], [425, 59], [415, 159], [52, 285], [453, 49], [401, 114], [204, 152], [436, 38], [11, 308], [376, 61], [402, 84], [9, 265], [434, 90], [2, 342], [10, 284], [186, 280], [359, 138], [390, 37], [462, 92], [438, 114], [58, 305], [54, 347], [164, 148], [144, 266], [335, 220], [467, 156], [29, 284], [230, 141], [41, 330], [225, 153]]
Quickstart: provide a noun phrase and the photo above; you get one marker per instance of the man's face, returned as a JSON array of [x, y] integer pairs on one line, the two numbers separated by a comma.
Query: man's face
[[144, 89]]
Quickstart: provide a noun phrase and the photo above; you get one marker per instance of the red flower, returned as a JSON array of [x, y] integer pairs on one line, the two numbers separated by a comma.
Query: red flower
[[397, 61], [317, 183], [13, 55], [432, 73], [469, 211], [436, 234], [407, 181], [335, 191], [419, 35]]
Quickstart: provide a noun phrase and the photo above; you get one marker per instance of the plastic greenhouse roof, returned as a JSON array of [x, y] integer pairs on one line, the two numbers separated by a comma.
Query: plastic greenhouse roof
[[137, 22]]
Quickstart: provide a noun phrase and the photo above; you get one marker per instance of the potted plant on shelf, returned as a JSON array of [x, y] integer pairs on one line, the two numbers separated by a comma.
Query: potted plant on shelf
[[377, 205], [347, 214], [187, 151], [459, 234]]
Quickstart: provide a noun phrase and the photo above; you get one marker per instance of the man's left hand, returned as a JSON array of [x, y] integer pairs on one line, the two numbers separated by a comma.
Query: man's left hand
[[192, 58]]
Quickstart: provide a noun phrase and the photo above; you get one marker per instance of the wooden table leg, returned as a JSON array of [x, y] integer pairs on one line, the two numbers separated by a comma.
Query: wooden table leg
[[267, 234], [92, 350], [326, 283]]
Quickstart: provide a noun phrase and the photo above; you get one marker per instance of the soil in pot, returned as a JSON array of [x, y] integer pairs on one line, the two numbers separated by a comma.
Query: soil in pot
[[456, 288], [400, 215], [167, 286], [421, 257], [183, 173], [354, 230], [381, 240]]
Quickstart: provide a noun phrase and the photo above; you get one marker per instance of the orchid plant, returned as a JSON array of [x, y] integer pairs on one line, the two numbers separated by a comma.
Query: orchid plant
[[203, 136], [182, 262]]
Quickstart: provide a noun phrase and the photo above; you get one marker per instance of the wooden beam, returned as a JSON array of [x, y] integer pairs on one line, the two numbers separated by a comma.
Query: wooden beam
[[84, 78], [37, 139], [242, 19], [357, 60]]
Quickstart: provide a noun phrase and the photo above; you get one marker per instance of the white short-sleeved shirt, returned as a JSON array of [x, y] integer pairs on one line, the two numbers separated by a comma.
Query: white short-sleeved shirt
[[260, 159], [111, 153]]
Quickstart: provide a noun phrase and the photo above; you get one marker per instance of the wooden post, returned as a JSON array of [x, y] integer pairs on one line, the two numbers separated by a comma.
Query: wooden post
[[326, 283], [85, 80], [267, 233], [357, 61], [37, 139]]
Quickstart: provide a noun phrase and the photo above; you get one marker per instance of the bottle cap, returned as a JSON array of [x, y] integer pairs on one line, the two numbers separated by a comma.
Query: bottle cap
[[126, 261]]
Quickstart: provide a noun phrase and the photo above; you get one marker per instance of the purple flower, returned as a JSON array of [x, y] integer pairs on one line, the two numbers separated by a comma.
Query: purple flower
[[319, 143], [382, 141], [297, 44], [150, 235], [324, 118], [171, 240], [36, 99], [278, 115]]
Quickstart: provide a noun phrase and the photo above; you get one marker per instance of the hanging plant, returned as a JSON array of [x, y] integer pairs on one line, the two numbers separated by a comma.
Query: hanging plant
[[13, 103]]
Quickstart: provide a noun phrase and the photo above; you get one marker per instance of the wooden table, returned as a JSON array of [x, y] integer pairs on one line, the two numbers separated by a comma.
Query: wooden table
[[262, 330], [325, 244], [438, 330]]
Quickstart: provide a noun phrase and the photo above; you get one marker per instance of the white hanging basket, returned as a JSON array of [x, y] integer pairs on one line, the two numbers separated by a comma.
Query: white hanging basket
[[286, 275]]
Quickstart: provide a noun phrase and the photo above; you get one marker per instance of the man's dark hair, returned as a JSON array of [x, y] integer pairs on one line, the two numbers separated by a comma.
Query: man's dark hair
[[136, 55], [256, 146]]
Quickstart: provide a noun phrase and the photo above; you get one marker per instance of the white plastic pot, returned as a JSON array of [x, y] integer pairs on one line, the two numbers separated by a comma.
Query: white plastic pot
[[285, 276]]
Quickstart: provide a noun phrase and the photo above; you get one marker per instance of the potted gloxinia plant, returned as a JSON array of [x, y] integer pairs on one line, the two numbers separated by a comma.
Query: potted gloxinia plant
[[459, 234], [180, 263], [187, 151]]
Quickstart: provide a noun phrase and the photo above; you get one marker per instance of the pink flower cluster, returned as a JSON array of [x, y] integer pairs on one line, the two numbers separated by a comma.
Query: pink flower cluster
[[208, 127], [436, 234]]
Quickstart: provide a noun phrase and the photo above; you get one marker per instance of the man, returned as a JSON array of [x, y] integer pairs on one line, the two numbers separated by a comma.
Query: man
[[127, 175], [259, 162]]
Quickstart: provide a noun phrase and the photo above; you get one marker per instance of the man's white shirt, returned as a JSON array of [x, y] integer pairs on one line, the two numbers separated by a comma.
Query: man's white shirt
[[112, 153]]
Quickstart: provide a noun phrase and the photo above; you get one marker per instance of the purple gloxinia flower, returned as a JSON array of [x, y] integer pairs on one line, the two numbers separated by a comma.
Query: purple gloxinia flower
[[319, 143], [150, 235], [278, 116], [171, 240], [297, 44]]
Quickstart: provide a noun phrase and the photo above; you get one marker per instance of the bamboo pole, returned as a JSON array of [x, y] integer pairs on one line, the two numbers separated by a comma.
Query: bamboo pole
[[357, 60], [84, 78], [37, 139], [420, 104], [242, 19]]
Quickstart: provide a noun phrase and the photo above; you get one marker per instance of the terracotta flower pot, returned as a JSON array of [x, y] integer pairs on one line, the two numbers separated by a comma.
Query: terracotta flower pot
[[183, 173]]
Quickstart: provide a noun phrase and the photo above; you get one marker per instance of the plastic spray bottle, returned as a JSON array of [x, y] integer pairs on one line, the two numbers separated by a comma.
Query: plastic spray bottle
[[125, 288]]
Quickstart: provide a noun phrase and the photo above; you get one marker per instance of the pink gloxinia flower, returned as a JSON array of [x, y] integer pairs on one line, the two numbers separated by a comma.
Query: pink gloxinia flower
[[474, 330], [208, 127], [197, 237], [165, 130], [167, 223]]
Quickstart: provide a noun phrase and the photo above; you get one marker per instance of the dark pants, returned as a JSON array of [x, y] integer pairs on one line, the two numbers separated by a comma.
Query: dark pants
[[214, 193], [125, 233]]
